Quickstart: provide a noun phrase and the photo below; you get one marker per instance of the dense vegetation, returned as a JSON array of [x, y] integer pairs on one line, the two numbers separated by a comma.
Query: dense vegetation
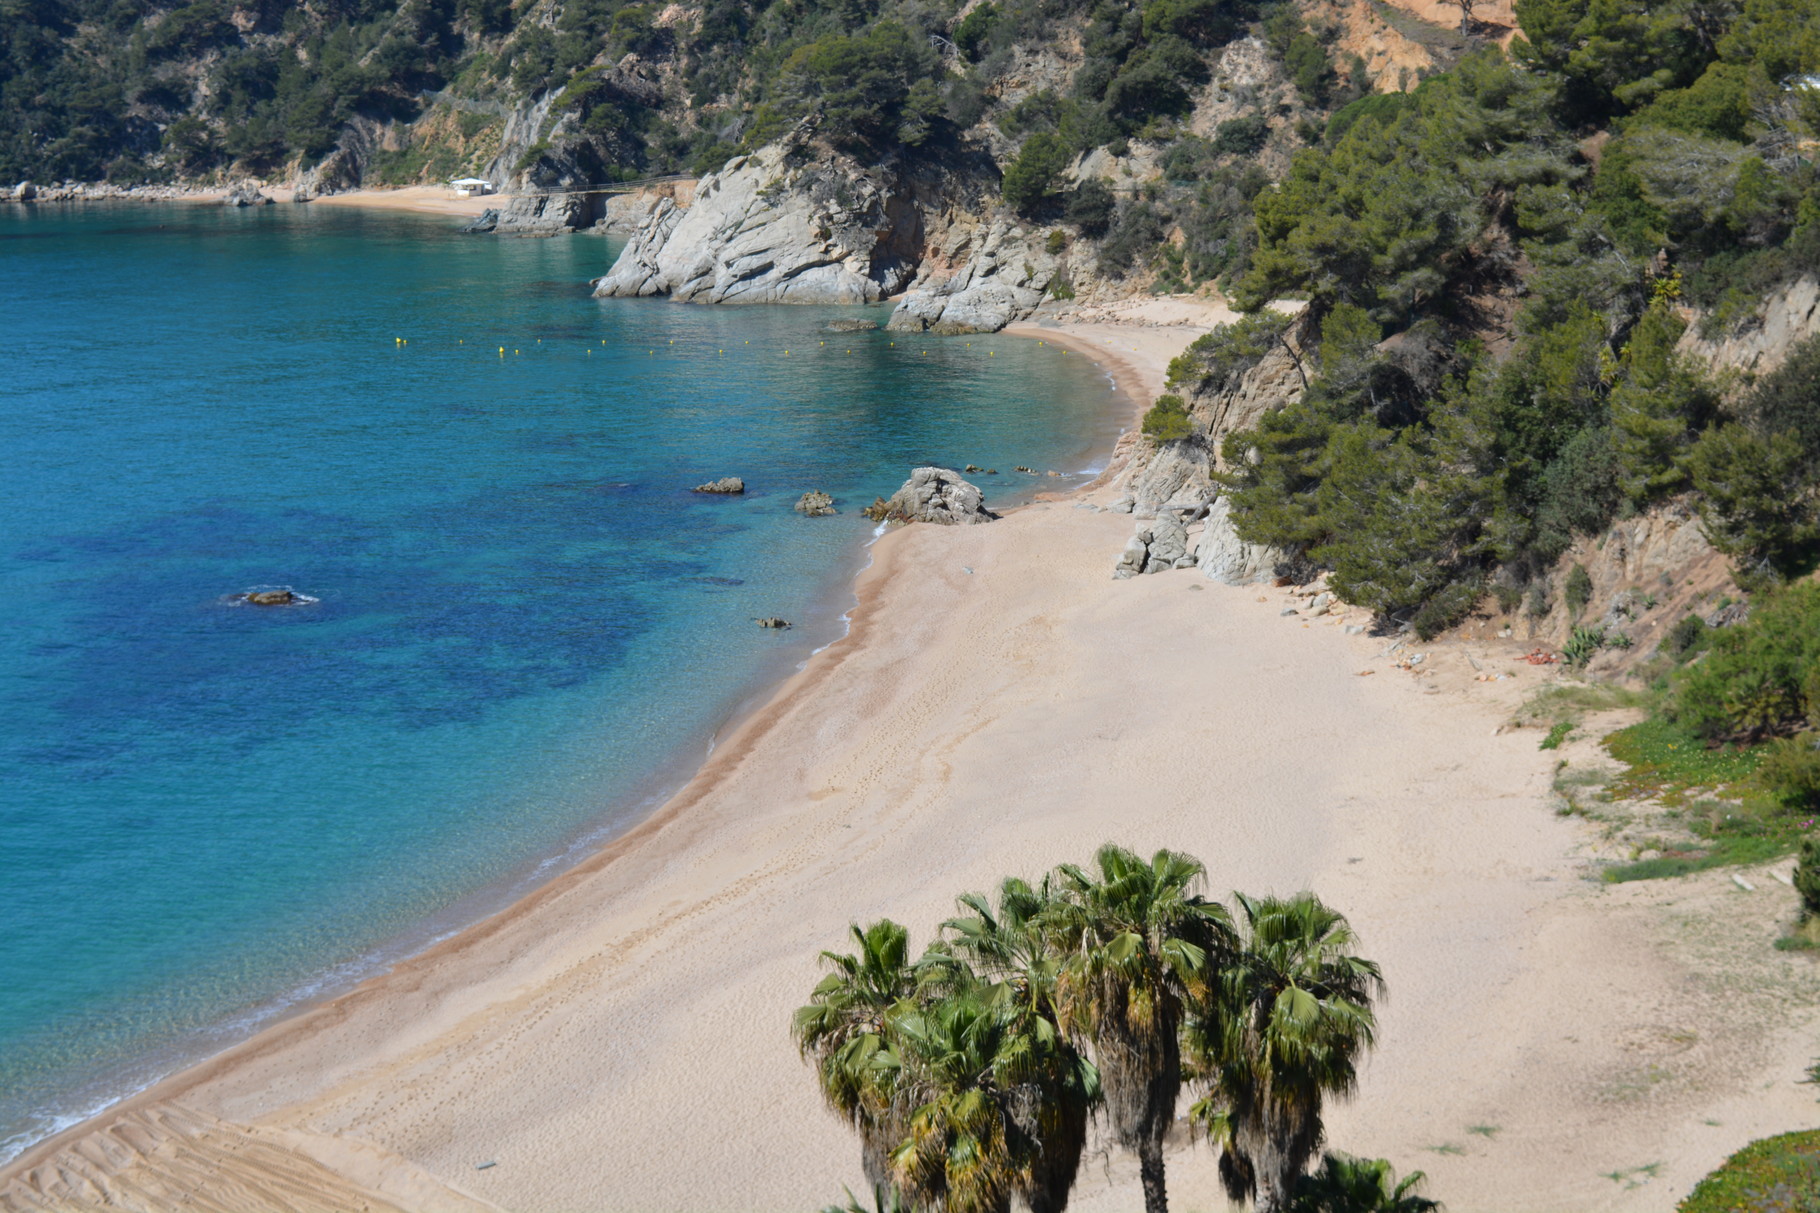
[[971, 1074], [149, 89], [1632, 158], [1775, 1175]]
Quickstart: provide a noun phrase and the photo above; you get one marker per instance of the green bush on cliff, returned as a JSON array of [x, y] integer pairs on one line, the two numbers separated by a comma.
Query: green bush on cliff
[[1167, 420]]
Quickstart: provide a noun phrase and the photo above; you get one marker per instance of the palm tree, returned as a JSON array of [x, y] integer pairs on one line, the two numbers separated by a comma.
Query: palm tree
[[844, 1033], [1344, 1184], [1282, 1029], [994, 1087], [1134, 944], [1055, 1097]]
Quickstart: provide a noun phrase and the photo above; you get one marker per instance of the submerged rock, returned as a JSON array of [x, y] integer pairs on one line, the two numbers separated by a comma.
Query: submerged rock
[[853, 326], [935, 495], [815, 504], [772, 621], [726, 484]]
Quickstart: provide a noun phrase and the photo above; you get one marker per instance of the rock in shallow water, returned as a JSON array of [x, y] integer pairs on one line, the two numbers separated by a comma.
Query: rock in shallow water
[[245, 195], [726, 484], [272, 598], [935, 495], [853, 326], [815, 504]]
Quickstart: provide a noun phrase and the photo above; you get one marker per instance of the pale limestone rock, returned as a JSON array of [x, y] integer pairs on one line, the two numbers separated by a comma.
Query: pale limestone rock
[[938, 495], [1790, 315], [1002, 275], [1224, 557], [765, 230]]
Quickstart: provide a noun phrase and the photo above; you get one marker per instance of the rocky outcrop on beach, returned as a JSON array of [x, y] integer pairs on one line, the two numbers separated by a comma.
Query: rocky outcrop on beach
[[935, 495], [245, 194], [726, 484], [978, 276], [815, 504], [1157, 545], [543, 215], [1168, 475], [775, 227], [1224, 557]]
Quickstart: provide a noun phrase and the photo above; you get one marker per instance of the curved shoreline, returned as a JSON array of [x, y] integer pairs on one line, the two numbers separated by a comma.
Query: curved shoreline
[[617, 1040], [732, 742]]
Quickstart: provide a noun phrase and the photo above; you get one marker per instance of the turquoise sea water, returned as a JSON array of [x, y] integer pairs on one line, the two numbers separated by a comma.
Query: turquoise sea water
[[526, 627]]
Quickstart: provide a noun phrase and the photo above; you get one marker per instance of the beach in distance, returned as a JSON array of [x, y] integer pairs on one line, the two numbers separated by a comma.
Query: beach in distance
[[619, 1038]]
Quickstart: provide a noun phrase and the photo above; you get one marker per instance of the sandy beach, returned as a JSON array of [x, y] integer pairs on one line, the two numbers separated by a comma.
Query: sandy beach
[[619, 1039], [425, 199]]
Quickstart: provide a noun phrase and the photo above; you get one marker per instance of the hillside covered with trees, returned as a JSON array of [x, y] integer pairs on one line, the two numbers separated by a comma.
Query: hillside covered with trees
[[1500, 267]]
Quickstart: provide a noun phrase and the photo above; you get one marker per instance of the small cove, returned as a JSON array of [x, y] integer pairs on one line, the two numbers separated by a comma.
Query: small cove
[[526, 627]]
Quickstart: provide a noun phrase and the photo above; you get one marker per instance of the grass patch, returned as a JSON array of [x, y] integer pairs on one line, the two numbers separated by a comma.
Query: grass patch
[[1556, 735], [1775, 1175], [1667, 761], [1569, 703]]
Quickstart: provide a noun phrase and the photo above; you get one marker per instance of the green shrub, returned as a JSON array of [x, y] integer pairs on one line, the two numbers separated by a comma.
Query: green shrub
[[1090, 207], [1686, 638], [1167, 420], [1755, 504], [1578, 590], [1030, 180], [1790, 773], [1761, 678], [1583, 645], [1807, 877], [1774, 1175]]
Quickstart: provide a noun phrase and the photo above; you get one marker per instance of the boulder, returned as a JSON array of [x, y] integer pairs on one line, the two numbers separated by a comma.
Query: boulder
[[815, 504], [271, 598], [1168, 543], [26, 191], [1224, 557], [486, 221], [772, 621], [245, 194], [1157, 545], [853, 326], [1131, 560], [726, 484], [935, 495]]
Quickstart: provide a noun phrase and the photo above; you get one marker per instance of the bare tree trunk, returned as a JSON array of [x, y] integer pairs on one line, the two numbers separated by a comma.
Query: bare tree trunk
[[1150, 1169]]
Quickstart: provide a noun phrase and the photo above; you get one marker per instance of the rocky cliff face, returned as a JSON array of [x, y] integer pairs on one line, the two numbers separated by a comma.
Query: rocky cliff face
[[790, 224], [1789, 316], [775, 227]]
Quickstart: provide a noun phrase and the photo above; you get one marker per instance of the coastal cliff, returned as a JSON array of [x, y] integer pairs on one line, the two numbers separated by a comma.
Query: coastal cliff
[[792, 224]]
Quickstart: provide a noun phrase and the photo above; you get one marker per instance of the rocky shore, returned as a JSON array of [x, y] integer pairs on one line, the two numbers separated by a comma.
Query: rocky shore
[[79, 191]]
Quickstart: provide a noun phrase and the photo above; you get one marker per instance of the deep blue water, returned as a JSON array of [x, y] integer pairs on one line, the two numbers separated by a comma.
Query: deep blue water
[[527, 627]]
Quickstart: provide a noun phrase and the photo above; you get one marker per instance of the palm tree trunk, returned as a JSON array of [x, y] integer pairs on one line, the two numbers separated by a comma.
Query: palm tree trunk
[[1150, 1170]]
